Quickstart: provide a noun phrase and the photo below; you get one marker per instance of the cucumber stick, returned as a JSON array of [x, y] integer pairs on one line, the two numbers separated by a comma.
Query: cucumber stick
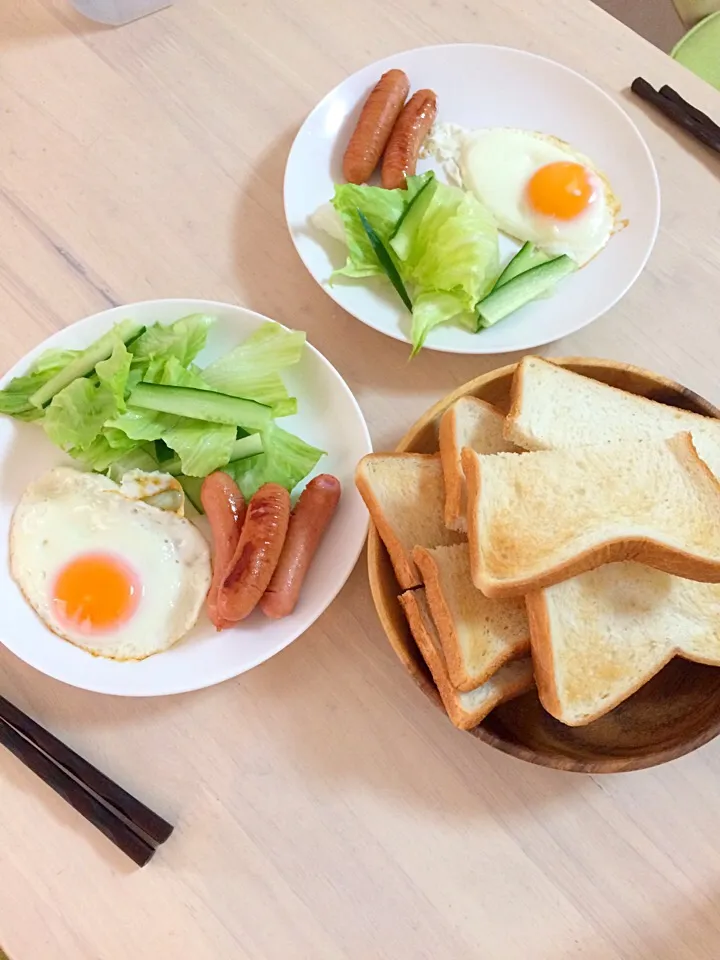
[[404, 234], [201, 405], [527, 257], [126, 331], [385, 260], [503, 301]]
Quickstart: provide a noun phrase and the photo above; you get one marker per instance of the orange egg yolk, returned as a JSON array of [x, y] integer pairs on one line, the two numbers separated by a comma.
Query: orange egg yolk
[[96, 592], [561, 190]]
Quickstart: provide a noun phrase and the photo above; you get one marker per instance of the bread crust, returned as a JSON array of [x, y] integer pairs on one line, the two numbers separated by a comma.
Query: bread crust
[[516, 401], [406, 572], [445, 625], [450, 455], [646, 550], [543, 654], [513, 434], [411, 602], [545, 667]]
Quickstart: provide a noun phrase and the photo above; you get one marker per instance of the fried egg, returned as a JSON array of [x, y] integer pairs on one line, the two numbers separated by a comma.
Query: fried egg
[[537, 187], [105, 569]]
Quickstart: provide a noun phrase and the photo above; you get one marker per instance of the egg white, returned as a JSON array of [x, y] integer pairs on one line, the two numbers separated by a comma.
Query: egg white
[[67, 513], [497, 165]]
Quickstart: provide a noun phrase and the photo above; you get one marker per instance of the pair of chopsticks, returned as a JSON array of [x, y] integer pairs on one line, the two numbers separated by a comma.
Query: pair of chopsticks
[[684, 114], [132, 827]]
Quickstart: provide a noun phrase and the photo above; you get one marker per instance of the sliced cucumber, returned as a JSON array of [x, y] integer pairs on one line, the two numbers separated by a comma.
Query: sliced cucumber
[[522, 289], [243, 448], [527, 257], [192, 487], [201, 405], [404, 233], [385, 260], [126, 330]]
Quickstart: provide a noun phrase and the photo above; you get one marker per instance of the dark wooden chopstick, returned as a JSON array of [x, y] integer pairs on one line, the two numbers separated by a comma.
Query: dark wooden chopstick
[[128, 823], [115, 829], [143, 818], [696, 114], [689, 118]]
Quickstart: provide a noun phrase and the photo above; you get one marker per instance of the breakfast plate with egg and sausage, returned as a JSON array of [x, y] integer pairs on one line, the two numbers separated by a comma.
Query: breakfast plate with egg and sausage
[[471, 199], [176, 506]]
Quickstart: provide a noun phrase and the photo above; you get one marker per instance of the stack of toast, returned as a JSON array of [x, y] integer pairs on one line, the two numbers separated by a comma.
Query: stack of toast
[[573, 544]]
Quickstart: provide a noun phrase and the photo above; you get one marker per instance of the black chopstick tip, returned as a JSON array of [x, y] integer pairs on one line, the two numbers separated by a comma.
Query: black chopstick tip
[[134, 828], [683, 114]]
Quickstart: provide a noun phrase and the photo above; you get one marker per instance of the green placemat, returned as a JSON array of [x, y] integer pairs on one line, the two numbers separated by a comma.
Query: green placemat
[[699, 50]]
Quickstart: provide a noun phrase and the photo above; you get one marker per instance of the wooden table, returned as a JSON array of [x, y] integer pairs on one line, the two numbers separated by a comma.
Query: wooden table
[[325, 810]]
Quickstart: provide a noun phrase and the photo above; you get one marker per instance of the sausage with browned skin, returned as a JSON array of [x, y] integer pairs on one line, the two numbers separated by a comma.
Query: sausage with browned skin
[[309, 521], [224, 508], [408, 135], [257, 553], [373, 129]]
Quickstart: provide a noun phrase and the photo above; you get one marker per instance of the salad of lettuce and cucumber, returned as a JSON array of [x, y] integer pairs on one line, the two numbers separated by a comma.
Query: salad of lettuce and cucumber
[[136, 400], [438, 246]]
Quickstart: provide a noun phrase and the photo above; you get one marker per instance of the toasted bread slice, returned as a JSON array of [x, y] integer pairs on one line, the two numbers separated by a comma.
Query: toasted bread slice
[[478, 635], [405, 496], [599, 637], [469, 422], [552, 407], [538, 518], [466, 710]]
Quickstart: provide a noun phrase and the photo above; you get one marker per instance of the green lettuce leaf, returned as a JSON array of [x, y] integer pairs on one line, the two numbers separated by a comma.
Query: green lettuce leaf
[[201, 446], [433, 307], [453, 260], [286, 460], [455, 247], [114, 372], [139, 458], [106, 449], [78, 413], [252, 369], [183, 339], [383, 209], [15, 397]]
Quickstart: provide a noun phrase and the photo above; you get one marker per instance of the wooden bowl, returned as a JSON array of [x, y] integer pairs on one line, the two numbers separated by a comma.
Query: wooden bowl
[[676, 712]]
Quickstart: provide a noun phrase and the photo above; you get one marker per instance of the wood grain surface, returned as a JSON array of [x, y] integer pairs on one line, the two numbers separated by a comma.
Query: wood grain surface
[[325, 809]]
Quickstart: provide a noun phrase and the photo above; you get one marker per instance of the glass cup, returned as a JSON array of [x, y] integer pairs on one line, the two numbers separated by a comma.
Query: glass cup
[[117, 12]]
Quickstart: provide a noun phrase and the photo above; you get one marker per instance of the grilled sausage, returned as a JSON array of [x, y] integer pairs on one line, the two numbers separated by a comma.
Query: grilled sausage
[[378, 115], [409, 132], [257, 552], [310, 518], [224, 507]]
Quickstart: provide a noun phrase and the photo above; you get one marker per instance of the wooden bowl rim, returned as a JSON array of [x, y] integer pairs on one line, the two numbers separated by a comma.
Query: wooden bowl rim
[[376, 547]]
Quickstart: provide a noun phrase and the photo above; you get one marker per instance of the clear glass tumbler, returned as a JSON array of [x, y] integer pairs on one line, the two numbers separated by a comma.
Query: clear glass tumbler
[[117, 12]]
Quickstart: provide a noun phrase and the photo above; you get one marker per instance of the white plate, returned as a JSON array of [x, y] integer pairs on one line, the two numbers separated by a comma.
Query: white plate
[[484, 86], [328, 417]]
